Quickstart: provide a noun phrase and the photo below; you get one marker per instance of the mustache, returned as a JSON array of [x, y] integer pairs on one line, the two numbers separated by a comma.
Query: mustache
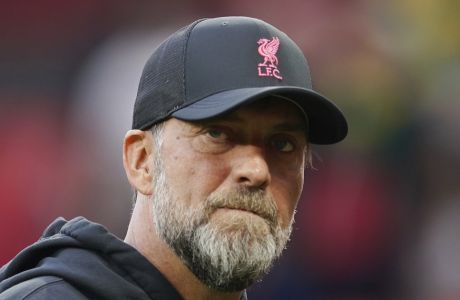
[[255, 201]]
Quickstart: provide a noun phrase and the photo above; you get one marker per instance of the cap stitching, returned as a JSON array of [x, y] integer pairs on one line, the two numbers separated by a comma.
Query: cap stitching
[[184, 55]]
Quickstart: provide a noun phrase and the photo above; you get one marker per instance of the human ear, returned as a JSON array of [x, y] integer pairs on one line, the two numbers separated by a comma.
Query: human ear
[[137, 160]]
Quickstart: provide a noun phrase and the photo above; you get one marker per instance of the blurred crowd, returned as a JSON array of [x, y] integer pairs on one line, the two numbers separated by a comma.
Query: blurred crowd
[[380, 213]]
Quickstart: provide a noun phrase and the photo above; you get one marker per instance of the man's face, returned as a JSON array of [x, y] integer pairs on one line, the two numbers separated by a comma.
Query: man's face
[[226, 190]]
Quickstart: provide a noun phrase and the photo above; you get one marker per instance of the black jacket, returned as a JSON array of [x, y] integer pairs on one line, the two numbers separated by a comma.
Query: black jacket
[[79, 259]]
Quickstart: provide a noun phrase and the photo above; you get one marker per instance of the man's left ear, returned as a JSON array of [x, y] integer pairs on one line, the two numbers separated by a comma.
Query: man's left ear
[[137, 160]]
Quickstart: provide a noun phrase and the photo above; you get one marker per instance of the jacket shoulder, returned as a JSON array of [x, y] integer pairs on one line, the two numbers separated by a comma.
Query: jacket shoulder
[[41, 288]]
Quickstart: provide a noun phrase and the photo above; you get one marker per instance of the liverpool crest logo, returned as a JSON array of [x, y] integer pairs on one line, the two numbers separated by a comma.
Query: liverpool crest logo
[[267, 49]]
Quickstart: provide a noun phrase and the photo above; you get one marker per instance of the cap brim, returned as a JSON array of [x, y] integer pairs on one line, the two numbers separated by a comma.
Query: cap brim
[[327, 124]]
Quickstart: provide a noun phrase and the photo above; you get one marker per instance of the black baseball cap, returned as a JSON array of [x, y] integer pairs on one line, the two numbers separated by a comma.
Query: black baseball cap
[[215, 65]]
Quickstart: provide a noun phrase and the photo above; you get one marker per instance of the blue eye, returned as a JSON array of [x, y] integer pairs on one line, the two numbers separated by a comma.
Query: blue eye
[[282, 145]]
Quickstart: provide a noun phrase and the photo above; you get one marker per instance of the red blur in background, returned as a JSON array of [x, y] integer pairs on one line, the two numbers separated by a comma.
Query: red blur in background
[[378, 216]]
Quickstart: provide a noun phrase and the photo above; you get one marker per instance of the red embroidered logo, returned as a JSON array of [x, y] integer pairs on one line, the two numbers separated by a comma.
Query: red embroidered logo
[[268, 49]]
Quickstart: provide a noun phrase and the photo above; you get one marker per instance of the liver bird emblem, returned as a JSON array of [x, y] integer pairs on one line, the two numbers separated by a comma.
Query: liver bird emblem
[[268, 49]]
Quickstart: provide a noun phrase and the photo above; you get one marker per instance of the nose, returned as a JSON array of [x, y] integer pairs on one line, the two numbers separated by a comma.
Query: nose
[[251, 169]]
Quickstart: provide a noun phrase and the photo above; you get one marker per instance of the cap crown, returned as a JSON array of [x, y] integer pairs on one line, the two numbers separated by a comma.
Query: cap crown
[[213, 66], [211, 56]]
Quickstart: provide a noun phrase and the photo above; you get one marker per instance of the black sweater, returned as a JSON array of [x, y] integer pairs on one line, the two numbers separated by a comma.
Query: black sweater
[[79, 259]]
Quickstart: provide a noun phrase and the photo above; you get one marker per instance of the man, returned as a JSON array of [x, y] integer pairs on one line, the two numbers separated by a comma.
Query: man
[[222, 127]]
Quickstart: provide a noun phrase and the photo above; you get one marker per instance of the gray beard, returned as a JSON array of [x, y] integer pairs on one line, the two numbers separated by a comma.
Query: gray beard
[[227, 253]]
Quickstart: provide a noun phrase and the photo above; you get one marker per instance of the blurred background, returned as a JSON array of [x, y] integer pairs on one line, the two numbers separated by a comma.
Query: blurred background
[[380, 214]]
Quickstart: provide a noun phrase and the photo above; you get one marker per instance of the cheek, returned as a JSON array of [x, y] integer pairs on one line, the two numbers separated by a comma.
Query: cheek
[[287, 192], [193, 176]]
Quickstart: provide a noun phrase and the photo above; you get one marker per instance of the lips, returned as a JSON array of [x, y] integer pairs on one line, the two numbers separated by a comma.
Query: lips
[[242, 210], [259, 212]]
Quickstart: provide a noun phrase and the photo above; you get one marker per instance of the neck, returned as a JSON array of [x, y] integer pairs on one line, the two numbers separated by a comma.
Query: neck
[[143, 236]]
